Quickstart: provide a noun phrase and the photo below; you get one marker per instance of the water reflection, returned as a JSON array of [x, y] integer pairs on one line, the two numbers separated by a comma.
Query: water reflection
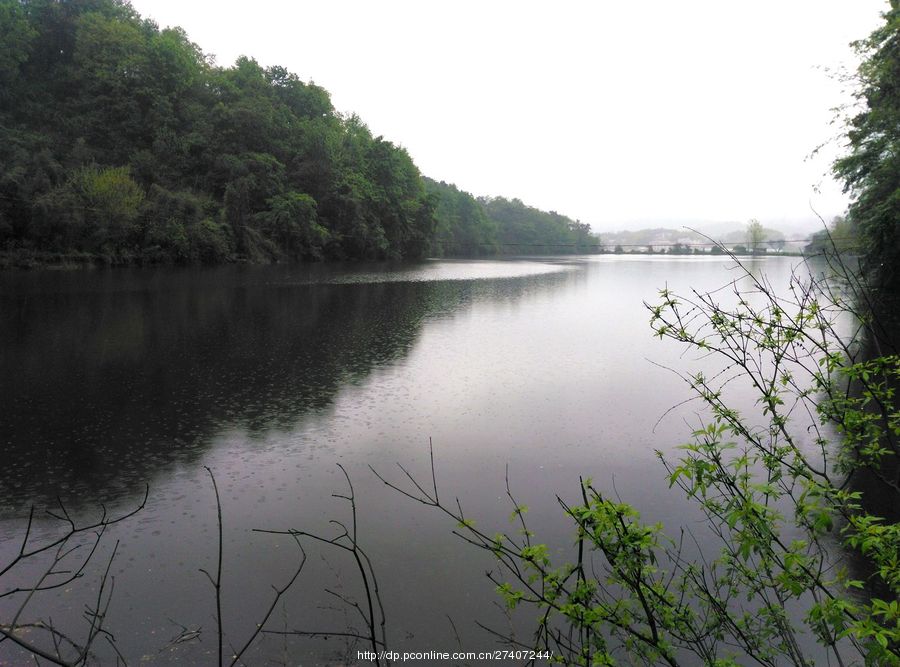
[[109, 377], [271, 376]]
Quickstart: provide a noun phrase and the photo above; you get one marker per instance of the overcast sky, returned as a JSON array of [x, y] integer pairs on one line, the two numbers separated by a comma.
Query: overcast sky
[[619, 113]]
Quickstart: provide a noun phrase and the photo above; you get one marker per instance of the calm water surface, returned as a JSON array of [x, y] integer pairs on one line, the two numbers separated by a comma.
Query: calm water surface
[[272, 376]]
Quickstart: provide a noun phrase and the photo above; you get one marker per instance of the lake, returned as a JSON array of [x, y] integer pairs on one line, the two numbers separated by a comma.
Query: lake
[[272, 376]]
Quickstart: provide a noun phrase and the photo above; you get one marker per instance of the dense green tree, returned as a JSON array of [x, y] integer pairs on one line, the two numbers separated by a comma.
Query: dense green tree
[[126, 142], [292, 220], [523, 229], [16, 36], [463, 227], [235, 162], [492, 225], [871, 168], [840, 236]]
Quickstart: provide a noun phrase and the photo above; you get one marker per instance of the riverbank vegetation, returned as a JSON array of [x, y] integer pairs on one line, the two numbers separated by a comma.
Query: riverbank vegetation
[[870, 168], [125, 143]]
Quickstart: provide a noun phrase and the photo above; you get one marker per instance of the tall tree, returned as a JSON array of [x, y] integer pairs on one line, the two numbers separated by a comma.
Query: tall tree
[[871, 168], [756, 235]]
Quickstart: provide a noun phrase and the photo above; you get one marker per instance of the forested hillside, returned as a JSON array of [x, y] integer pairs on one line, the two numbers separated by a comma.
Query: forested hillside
[[471, 226], [126, 143]]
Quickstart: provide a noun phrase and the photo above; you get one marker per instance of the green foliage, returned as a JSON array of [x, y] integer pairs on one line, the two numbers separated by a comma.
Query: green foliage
[[522, 229], [839, 237], [238, 163], [292, 220], [95, 209], [871, 168], [466, 225], [759, 484], [177, 225], [16, 37], [463, 226], [111, 193]]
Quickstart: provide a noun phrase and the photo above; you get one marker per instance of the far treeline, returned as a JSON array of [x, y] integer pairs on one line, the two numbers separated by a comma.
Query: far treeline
[[126, 143]]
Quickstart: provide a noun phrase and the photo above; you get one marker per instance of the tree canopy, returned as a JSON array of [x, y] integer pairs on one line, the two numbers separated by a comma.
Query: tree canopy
[[126, 142], [467, 225], [871, 168]]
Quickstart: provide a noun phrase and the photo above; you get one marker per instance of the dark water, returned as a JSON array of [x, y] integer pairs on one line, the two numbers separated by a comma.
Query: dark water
[[272, 376]]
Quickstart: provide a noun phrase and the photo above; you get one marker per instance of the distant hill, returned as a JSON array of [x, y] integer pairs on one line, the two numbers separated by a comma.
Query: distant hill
[[466, 226]]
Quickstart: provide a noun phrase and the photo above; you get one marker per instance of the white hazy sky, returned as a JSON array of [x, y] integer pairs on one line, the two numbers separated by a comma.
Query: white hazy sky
[[620, 113]]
